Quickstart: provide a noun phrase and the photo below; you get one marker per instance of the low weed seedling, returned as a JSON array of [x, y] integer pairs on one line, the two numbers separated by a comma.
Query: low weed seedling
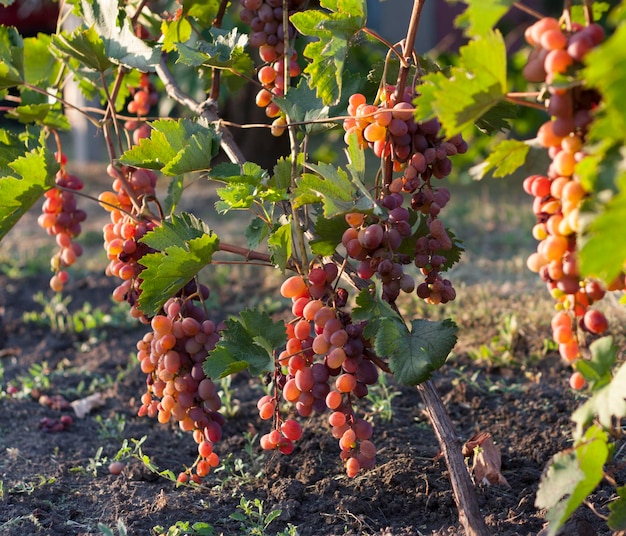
[[107, 531], [254, 520], [184, 528], [380, 396]]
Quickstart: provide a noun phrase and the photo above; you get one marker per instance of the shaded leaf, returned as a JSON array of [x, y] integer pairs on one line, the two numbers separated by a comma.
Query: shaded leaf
[[617, 517], [571, 477], [414, 355], [280, 245], [247, 342], [333, 28], [85, 46], [11, 57]]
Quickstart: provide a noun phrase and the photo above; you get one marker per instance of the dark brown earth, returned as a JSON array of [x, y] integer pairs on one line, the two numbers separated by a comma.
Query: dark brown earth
[[58, 483]]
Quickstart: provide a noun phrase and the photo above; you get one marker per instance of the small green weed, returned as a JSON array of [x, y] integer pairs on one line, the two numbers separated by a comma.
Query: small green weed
[[254, 520], [181, 528], [111, 427], [121, 529], [230, 405], [503, 349], [380, 396]]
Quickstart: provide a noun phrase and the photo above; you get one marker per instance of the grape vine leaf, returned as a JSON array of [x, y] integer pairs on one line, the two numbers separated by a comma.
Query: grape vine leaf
[[414, 355], [174, 147], [28, 177], [606, 403], [256, 231], [185, 248], [43, 114], [302, 106], [600, 73], [478, 84], [85, 46], [597, 10], [505, 158], [225, 49], [372, 308], [481, 16], [334, 28], [334, 189], [617, 517], [120, 42], [571, 477], [202, 10], [175, 32], [597, 369], [280, 245], [603, 252], [247, 342], [328, 233], [11, 57], [40, 67]]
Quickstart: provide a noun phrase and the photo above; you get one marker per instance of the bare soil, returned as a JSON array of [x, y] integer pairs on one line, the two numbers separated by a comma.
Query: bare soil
[[58, 483]]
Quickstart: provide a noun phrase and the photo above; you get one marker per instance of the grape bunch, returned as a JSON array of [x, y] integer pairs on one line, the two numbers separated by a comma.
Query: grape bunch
[[144, 97], [421, 154], [325, 365], [122, 236], [171, 356], [559, 194], [61, 218], [265, 18]]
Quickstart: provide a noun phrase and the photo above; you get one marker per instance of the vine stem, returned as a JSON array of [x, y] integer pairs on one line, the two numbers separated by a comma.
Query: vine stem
[[462, 485]]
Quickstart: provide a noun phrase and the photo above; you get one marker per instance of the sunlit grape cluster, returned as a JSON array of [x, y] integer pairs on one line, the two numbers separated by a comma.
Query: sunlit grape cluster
[[421, 155], [62, 219], [559, 194], [122, 236], [324, 365], [265, 18], [171, 356]]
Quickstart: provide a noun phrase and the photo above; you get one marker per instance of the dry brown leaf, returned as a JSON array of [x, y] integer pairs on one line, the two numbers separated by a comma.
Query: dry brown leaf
[[86, 405], [487, 461]]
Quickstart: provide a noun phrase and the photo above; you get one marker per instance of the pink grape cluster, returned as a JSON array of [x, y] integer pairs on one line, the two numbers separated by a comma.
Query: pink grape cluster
[[325, 365], [145, 97], [122, 235], [62, 219], [171, 356], [559, 194], [265, 18]]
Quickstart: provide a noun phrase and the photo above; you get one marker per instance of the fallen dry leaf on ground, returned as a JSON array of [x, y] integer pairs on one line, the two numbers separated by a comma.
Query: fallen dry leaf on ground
[[83, 406], [487, 461]]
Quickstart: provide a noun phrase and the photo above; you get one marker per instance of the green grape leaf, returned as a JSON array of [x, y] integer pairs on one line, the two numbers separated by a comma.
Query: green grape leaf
[[235, 196], [597, 369], [496, 119], [43, 114], [600, 73], [478, 84], [175, 32], [505, 158], [224, 50], [603, 251], [414, 355], [176, 231], [332, 187], [202, 10], [174, 147], [617, 517], [280, 245], [302, 105], [85, 46], [605, 404], [174, 192], [517, 164], [281, 178], [122, 46], [170, 270], [571, 477], [372, 308], [598, 9], [247, 342], [256, 231], [40, 67], [481, 16], [30, 176], [11, 57], [333, 28], [328, 233]]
